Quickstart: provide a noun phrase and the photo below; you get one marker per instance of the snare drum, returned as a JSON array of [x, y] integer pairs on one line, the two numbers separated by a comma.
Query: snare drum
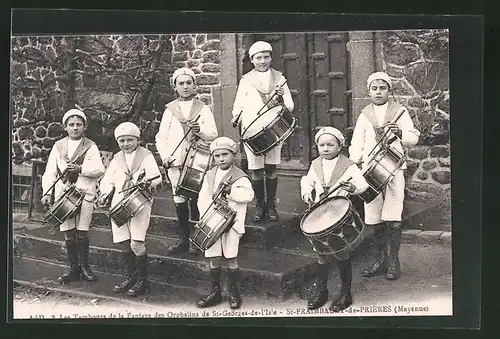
[[196, 164], [269, 129], [380, 171], [130, 206], [65, 207], [217, 220], [333, 227]]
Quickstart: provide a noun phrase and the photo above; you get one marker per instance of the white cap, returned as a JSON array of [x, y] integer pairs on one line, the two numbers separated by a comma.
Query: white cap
[[378, 76], [259, 46], [73, 112], [223, 143], [182, 71], [127, 128], [330, 130]]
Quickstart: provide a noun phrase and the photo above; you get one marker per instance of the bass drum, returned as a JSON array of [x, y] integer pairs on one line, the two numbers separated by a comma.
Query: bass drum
[[333, 227]]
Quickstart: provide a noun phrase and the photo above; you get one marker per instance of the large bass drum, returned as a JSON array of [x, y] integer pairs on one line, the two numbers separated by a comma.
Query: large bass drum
[[195, 166], [269, 129], [65, 207], [333, 227]]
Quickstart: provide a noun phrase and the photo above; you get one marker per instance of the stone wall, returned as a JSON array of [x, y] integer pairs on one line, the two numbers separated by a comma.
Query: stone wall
[[417, 62], [113, 78]]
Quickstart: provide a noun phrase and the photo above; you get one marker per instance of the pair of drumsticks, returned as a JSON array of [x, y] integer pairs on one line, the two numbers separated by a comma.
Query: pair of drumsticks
[[320, 201], [180, 142]]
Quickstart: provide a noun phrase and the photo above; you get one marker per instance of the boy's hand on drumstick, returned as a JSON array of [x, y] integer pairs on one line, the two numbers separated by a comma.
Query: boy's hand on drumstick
[[394, 128], [101, 201], [167, 162], [308, 198], [280, 91], [348, 186], [74, 168], [227, 190], [195, 126], [45, 200]]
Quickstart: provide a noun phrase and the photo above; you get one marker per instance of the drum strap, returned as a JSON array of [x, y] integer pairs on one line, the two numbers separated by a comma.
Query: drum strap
[[81, 150], [139, 157], [196, 108], [342, 165], [265, 93], [235, 173], [391, 112]]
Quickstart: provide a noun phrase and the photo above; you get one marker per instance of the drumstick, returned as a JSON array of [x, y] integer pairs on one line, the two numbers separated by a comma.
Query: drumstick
[[396, 118], [331, 191], [140, 183], [62, 174], [272, 96], [183, 138]]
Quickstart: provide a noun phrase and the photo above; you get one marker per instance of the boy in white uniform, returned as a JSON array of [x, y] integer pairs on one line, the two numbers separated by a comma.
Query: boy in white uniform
[[238, 193], [180, 115], [385, 211], [327, 171], [254, 90], [132, 164], [82, 160]]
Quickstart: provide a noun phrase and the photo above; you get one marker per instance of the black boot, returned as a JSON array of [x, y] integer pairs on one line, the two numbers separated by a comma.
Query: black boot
[[344, 299], [182, 245], [73, 274], [142, 285], [234, 294], [215, 296], [394, 267], [380, 264], [83, 251], [258, 187], [319, 293], [195, 217], [128, 258], [272, 186]]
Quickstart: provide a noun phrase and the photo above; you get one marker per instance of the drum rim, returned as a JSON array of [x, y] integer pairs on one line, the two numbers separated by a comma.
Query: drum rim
[[283, 107], [121, 203], [338, 197]]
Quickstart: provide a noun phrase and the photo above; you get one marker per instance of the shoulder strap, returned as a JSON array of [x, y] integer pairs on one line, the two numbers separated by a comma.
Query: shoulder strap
[[234, 174], [342, 165]]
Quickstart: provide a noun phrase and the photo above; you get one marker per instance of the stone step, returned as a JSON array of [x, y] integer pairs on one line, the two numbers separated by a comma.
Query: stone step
[[41, 274], [272, 273], [264, 236]]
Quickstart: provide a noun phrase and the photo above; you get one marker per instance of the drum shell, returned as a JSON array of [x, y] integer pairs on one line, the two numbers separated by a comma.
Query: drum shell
[[270, 135], [217, 220], [369, 195], [339, 238], [65, 207], [194, 168], [382, 168], [129, 206]]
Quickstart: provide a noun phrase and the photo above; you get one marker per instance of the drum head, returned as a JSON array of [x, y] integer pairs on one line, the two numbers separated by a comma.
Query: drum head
[[325, 215], [262, 121]]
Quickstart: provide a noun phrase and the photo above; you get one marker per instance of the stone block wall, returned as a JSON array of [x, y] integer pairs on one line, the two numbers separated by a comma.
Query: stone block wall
[[113, 78], [417, 62]]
